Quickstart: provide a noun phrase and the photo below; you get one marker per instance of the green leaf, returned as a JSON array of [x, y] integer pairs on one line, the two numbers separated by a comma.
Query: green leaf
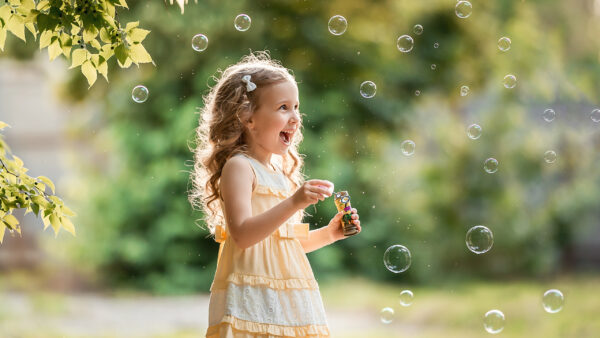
[[41, 201], [16, 26], [137, 34], [47, 181], [11, 221], [3, 125], [103, 69], [90, 34], [104, 35], [66, 223], [35, 208], [2, 38], [78, 57], [89, 71], [54, 50], [138, 54], [55, 221], [45, 38], [123, 3], [131, 25], [2, 229], [121, 53]]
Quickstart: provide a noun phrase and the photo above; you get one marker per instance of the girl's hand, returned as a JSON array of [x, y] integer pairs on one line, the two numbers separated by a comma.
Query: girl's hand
[[311, 192], [335, 228]]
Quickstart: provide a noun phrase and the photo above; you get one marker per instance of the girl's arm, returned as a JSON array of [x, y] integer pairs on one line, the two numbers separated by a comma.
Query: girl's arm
[[331, 233], [236, 189]]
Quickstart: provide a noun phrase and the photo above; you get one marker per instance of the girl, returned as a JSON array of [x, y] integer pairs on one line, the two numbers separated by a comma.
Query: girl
[[264, 285]]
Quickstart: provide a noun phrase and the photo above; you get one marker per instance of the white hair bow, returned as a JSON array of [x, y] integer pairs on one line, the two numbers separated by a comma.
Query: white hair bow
[[250, 86]]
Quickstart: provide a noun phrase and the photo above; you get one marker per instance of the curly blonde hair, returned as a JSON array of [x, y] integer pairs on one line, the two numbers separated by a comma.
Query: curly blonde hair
[[222, 132]]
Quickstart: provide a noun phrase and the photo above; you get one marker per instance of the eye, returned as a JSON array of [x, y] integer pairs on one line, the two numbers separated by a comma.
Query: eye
[[283, 106]]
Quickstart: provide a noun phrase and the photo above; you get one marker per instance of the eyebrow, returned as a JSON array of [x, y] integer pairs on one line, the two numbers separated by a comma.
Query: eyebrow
[[286, 101]]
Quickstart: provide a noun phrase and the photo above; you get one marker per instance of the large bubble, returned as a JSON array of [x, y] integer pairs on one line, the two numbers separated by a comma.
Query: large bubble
[[406, 298], [242, 22], [490, 165], [553, 301], [387, 315], [199, 42], [405, 43], [474, 131], [479, 239], [407, 147], [493, 321], [397, 258], [368, 89], [139, 94], [463, 9], [337, 25]]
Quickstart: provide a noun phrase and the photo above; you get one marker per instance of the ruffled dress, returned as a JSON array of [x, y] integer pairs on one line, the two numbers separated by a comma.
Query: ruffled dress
[[268, 289]]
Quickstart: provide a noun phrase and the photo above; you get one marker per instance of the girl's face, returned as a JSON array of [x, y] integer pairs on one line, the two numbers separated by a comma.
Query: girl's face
[[276, 119]]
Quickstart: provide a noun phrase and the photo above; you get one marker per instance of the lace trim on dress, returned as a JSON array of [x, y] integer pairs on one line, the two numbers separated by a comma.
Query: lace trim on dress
[[268, 329], [273, 283]]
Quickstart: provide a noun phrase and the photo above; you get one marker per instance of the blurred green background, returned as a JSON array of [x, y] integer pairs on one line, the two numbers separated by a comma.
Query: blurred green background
[[136, 229]]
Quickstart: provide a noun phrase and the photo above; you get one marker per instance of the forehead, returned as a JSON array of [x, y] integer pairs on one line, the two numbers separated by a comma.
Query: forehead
[[277, 92]]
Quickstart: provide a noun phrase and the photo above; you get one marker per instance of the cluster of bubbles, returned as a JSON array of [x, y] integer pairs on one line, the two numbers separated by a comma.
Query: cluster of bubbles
[[139, 94]]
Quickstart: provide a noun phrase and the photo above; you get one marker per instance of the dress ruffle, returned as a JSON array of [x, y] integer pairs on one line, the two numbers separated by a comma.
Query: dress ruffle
[[230, 326], [272, 283], [266, 190]]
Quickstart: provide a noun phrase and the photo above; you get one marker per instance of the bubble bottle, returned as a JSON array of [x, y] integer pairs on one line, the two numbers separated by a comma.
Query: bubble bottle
[[342, 203]]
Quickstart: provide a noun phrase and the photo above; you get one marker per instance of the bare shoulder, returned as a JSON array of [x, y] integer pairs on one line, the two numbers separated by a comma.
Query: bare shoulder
[[237, 174]]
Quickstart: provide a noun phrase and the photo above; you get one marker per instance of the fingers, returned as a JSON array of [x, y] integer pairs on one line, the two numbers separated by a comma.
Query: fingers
[[326, 183]]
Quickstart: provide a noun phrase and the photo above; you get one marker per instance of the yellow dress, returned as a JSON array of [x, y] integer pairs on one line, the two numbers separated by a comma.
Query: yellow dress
[[268, 289]]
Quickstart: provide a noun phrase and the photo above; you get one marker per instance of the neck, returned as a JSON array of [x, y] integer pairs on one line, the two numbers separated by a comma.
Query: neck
[[261, 155]]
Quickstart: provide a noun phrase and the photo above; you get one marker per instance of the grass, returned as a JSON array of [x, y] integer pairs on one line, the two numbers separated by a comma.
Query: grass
[[458, 310]]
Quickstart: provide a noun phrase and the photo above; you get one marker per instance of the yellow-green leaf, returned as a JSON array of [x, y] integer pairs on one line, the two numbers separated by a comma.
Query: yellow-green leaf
[[78, 57], [45, 38], [103, 69], [138, 54], [89, 71], [3, 125], [2, 38], [131, 25], [123, 3], [104, 35], [137, 34], [66, 223], [40, 201], [47, 181], [5, 13], [95, 44], [90, 34], [55, 222], [11, 221], [16, 26], [75, 29], [31, 27], [2, 229], [68, 211], [126, 64], [18, 161], [42, 4], [46, 222], [54, 50]]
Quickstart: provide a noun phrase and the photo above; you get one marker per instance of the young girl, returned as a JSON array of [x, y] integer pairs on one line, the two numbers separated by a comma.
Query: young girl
[[247, 164]]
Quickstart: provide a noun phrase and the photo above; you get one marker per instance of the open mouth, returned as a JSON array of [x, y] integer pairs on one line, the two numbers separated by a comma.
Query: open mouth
[[286, 137]]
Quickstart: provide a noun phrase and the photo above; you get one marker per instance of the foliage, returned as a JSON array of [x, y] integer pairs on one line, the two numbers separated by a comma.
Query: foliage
[[427, 202], [87, 32], [20, 191]]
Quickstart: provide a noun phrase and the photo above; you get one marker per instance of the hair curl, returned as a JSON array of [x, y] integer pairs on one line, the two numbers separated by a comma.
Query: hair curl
[[221, 132]]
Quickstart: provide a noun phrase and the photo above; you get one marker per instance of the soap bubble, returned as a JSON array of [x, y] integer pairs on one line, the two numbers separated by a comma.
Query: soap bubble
[[418, 29], [553, 301], [479, 239], [242, 22], [595, 116], [387, 315], [550, 156], [549, 115], [474, 131], [433, 66], [417, 92], [504, 44], [406, 298], [139, 94], [405, 43], [199, 42], [397, 258], [493, 322], [436, 45], [407, 147], [337, 25], [463, 9], [490, 165], [510, 81], [368, 89], [464, 90]]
